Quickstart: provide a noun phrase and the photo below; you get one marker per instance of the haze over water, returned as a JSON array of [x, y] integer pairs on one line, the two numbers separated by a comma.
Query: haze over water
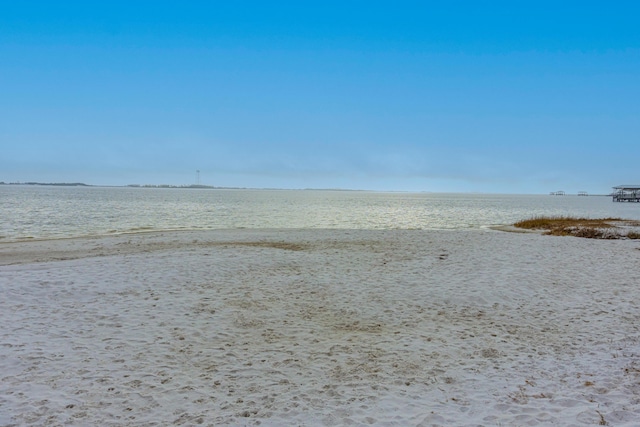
[[59, 212]]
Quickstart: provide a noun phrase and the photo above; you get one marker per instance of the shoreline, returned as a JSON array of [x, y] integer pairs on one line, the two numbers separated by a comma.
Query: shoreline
[[89, 246], [106, 235], [320, 327]]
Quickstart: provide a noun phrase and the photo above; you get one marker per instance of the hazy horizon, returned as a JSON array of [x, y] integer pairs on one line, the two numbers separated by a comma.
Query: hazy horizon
[[523, 98], [215, 187]]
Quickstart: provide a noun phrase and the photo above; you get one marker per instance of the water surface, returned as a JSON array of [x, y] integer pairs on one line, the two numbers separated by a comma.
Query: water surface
[[54, 212]]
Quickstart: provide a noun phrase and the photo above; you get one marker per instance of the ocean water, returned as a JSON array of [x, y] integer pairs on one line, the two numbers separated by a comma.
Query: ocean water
[[37, 212]]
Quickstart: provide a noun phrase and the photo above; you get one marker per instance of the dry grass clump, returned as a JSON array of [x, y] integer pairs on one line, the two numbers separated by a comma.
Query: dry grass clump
[[633, 235], [598, 228], [552, 222]]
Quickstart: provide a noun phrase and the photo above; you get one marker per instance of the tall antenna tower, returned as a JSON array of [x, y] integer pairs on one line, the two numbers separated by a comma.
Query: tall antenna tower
[[197, 177]]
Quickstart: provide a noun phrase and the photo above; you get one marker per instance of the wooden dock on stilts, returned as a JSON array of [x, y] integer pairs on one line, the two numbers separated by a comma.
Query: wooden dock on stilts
[[626, 193]]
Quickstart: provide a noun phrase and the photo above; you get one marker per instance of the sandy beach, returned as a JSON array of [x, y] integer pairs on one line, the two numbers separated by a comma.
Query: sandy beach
[[320, 327]]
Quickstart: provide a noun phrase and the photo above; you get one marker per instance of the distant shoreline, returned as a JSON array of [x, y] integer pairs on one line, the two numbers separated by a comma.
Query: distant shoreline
[[211, 187], [191, 186], [57, 184]]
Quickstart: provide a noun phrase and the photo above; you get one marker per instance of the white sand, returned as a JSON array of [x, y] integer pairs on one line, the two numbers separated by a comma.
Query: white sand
[[452, 328]]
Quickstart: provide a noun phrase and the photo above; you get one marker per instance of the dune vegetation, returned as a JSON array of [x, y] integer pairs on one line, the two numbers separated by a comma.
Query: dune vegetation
[[593, 228]]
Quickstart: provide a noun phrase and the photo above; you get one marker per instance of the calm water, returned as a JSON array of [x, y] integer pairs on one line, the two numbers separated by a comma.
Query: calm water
[[51, 212]]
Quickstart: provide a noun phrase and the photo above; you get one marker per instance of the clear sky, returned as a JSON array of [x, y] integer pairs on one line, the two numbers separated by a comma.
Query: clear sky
[[464, 96]]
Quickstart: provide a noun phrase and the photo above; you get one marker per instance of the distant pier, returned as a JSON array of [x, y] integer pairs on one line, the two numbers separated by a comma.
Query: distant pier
[[626, 193]]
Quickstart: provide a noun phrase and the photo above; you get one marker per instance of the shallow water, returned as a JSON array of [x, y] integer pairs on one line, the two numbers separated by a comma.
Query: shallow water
[[55, 212]]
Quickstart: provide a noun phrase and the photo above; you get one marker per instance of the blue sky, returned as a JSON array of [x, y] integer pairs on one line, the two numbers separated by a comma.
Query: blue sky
[[502, 96]]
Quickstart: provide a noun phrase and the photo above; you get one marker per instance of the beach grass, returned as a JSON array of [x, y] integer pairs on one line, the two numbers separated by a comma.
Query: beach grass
[[592, 228]]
